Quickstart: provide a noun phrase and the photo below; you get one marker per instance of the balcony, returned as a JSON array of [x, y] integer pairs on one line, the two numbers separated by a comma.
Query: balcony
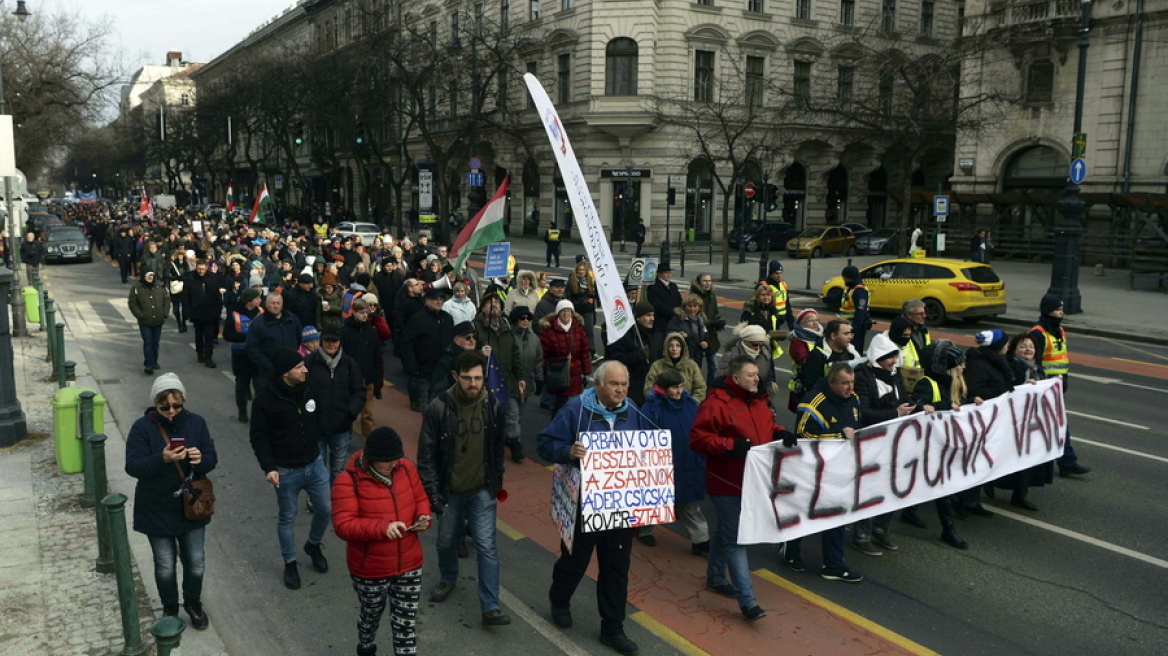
[[1022, 12]]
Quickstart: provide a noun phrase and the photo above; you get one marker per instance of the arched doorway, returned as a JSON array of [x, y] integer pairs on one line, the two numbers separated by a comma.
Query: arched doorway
[[531, 197], [837, 194], [1037, 167], [699, 198], [877, 198], [795, 194], [563, 207]]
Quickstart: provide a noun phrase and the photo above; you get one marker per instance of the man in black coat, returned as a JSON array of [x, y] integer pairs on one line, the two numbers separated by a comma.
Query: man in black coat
[[204, 306], [124, 247], [665, 297], [426, 335], [272, 330], [407, 303], [547, 304], [360, 340], [301, 300], [339, 389], [235, 329], [32, 253], [632, 350], [285, 436]]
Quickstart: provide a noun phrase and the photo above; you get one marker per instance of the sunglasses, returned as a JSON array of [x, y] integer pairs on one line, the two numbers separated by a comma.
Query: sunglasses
[[167, 407]]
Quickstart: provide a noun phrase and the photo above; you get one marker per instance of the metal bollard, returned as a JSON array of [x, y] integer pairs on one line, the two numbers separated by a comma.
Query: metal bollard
[[808, 270], [167, 632], [105, 556], [682, 249], [711, 251], [849, 261], [115, 505], [50, 321], [41, 296], [70, 373], [59, 365], [86, 415]]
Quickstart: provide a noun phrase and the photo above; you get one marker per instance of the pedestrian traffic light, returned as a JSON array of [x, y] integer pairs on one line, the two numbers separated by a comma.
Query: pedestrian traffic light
[[298, 133], [671, 196], [772, 197], [359, 133]]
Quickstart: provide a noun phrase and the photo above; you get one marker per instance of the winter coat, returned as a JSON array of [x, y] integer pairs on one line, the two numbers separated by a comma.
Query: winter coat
[[517, 297], [505, 351], [330, 318], [582, 294], [339, 392], [1022, 373], [404, 308], [156, 510], [695, 330], [32, 252], [695, 382], [632, 350], [665, 297], [558, 343], [268, 333], [387, 285], [714, 321], [378, 321], [427, 333], [824, 415], [987, 373], [436, 445], [201, 294], [689, 468], [555, 441], [150, 303], [235, 329], [880, 392], [303, 304], [766, 373], [360, 341], [285, 428], [363, 508], [530, 354], [727, 414], [545, 308], [460, 311]]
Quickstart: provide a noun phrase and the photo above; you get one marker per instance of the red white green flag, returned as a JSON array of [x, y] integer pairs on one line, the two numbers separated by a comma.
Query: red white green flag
[[260, 209], [230, 197], [486, 228]]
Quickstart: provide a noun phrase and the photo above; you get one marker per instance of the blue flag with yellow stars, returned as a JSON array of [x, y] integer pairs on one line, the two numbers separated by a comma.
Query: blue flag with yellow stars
[[496, 383]]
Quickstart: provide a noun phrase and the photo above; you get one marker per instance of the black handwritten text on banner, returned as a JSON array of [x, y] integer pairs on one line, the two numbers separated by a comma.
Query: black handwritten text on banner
[[627, 479]]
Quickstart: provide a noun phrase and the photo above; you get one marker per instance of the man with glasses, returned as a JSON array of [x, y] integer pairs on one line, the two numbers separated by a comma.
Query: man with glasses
[[914, 311], [460, 461], [837, 347]]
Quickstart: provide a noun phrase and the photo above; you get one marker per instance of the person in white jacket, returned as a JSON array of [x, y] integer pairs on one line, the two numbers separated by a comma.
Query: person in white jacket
[[459, 306]]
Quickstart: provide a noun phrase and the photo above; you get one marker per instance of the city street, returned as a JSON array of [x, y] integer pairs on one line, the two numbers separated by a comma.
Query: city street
[[1084, 575]]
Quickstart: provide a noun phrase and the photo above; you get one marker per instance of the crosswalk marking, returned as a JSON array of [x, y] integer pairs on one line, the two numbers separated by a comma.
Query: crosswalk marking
[[122, 305]]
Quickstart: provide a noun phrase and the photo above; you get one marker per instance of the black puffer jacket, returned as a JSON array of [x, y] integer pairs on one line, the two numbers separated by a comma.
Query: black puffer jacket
[[339, 392], [987, 373], [285, 426], [360, 341], [201, 294]]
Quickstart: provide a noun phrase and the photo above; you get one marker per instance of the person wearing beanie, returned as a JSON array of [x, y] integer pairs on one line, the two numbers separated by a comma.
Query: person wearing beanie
[[565, 343], [1051, 340], [987, 375], [274, 329], [460, 461], [168, 441], [301, 299], [309, 341], [428, 332], [781, 294], [235, 329], [633, 349], [339, 389], [328, 301], [530, 350], [807, 337], [854, 306], [149, 302], [379, 507], [751, 342], [285, 437]]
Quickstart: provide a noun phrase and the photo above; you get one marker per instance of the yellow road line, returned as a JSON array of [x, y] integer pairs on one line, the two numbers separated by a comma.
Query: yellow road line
[[671, 637], [1150, 364], [508, 530], [854, 618]]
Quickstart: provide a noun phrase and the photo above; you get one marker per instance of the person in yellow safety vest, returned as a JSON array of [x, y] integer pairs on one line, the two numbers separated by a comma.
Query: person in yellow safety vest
[[551, 237], [837, 347], [781, 293], [320, 227], [1051, 339], [914, 311], [512, 267], [854, 306], [760, 311]]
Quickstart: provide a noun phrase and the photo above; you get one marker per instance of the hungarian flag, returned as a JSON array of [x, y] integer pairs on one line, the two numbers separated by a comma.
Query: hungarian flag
[[145, 208], [230, 198], [260, 209], [484, 229]]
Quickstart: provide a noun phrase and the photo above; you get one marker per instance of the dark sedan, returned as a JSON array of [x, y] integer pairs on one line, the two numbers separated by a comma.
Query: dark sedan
[[67, 244], [776, 234]]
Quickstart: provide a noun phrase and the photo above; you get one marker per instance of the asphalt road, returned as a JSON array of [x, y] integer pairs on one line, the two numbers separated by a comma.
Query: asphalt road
[[1084, 575]]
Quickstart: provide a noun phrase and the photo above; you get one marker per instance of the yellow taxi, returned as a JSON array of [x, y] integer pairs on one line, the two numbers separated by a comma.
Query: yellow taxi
[[949, 288]]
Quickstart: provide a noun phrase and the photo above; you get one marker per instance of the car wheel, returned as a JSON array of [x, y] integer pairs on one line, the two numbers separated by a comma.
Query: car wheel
[[934, 312], [851, 251], [752, 246], [818, 252]]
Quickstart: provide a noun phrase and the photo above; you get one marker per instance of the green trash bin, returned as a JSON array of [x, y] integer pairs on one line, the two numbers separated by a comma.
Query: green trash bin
[[32, 304], [67, 442]]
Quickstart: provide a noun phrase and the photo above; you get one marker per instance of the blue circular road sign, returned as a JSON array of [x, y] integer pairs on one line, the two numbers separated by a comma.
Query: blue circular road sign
[[1078, 171]]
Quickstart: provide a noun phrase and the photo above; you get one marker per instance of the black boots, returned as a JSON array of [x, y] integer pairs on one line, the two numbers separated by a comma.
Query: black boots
[[1019, 500], [949, 535], [291, 576], [198, 615], [319, 563]]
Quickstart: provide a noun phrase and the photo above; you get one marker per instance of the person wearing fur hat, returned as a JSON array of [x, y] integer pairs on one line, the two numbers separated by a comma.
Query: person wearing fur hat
[[1051, 338], [564, 340], [166, 445], [379, 507], [149, 302], [750, 341], [235, 329], [285, 437], [854, 306], [633, 349], [524, 294]]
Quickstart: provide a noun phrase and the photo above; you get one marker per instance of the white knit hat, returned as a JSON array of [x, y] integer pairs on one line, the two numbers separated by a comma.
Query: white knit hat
[[565, 305], [750, 333], [165, 383]]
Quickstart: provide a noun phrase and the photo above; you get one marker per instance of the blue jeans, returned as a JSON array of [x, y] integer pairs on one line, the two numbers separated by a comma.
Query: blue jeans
[[833, 548], [334, 449], [711, 368], [314, 478], [477, 509], [726, 553], [151, 336], [194, 558]]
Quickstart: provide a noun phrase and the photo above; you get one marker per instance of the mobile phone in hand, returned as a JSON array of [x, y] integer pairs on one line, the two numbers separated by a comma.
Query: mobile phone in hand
[[177, 443]]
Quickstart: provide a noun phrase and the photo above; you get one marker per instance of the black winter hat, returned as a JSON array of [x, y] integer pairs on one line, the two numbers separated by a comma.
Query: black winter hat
[[285, 360], [850, 273], [774, 265], [520, 312], [383, 445], [1049, 304]]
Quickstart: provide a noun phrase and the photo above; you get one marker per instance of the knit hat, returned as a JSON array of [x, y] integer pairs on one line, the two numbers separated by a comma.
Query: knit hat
[[993, 338], [248, 295], [1049, 304], [799, 317], [165, 383], [773, 267], [309, 334], [383, 445], [750, 333], [255, 280], [565, 305], [370, 298], [850, 273], [363, 279], [520, 312], [669, 378], [642, 308], [329, 278], [285, 360], [941, 356]]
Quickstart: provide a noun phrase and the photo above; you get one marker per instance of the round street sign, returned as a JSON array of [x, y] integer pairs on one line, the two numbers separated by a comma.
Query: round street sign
[[1078, 171], [748, 190], [476, 163]]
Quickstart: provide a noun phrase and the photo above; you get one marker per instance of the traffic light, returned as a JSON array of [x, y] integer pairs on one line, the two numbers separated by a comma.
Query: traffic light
[[359, 133], [772, 197], [671, 196], [298, 133]]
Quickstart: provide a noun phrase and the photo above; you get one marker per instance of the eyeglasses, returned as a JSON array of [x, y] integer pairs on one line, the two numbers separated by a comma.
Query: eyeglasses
[[167, 407]]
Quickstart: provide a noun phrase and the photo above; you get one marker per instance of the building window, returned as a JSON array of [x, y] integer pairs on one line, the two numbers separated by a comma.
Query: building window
[[847, 14], [533, 68], [803, 9], [565, 5], [888, 15], [846, 86], [534, 9], [927, 18], [455, 40], [703, 75], [620, 77], [757, 6], [755, 80], [564, 78], [504, 13], [802, 88], [885, 92], [1040, 81], [185, 101], [708, 3]]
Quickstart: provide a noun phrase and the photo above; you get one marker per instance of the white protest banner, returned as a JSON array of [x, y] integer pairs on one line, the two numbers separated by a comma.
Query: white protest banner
[[627, 479], [614, 303], [790, 493], [565, 500]]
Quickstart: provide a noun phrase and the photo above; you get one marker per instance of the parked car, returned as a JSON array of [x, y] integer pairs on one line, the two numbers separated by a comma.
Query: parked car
[[949, 288], [776, 234], [67, 244], [39, 222], [879, 242], [858, 229], [821, 241], [366, 231]]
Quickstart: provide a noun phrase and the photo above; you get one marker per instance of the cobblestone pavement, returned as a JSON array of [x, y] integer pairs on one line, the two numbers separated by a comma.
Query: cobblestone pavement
[[54, 603]]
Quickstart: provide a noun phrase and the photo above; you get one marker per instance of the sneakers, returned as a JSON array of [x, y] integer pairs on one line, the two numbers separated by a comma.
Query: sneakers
[[291, 576], [562, 616], [619, 642], [647, 539], [1073, 470], [441, 592], [725, 589], [198, 615], [840, 574], [884, 541], [867, 548], [319, 563], [495, 618], [794, 564], [700, 548], [753, 614]]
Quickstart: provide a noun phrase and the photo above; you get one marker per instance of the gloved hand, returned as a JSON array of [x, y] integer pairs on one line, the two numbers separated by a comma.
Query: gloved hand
[[741, 446], [447, 269], [785, 436], [719, 324]]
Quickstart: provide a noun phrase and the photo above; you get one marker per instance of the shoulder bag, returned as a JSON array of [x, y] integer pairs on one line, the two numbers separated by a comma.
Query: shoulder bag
[[198, 494], [559, 370], [176, 286]]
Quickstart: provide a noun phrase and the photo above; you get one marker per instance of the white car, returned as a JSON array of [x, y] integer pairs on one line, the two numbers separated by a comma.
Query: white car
[[366, 231]]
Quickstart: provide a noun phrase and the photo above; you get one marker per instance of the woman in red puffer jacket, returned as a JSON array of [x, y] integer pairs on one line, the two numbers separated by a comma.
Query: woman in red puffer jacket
[[379, 507], [561, 335]]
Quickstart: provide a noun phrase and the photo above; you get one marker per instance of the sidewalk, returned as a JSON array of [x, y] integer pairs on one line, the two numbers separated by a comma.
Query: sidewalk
[[1110, 309]]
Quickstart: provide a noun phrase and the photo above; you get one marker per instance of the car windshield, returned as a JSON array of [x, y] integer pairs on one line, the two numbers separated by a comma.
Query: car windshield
[[883, 233], [812, 233], [982, 274], [66, 235]]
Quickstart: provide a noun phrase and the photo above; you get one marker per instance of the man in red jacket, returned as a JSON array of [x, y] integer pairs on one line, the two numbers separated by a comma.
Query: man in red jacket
[[735, 416]]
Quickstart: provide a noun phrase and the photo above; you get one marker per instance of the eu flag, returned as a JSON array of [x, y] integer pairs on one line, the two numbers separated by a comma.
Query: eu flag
[[496, 383]]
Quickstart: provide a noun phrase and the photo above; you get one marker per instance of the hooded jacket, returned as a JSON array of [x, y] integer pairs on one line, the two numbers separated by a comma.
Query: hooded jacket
[[149, 302], [880, 392], [695, 382], [363, 508], [519, 297], [677, 416], [695, 329], [285, 428], [730, 413]]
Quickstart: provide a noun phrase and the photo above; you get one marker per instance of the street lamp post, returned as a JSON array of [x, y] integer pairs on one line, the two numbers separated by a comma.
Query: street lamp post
[[1068, 235], [19, 325]]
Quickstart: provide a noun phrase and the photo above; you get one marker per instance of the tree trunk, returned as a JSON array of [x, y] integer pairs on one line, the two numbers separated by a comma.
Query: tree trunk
[[727, 201]]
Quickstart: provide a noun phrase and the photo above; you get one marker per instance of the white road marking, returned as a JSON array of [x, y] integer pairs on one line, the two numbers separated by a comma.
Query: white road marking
[[544, 627], [72, 316], [1123, 551], [1116, 381], [1106, 420], [122, 305], [92, 321], [1130, 452]]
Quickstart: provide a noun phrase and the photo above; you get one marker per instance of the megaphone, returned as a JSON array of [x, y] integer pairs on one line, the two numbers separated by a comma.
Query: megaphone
[[441, 283]]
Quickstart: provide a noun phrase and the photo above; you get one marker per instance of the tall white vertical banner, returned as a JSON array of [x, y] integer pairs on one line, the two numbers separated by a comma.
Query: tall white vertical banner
[[7, 148], [614, 303]]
